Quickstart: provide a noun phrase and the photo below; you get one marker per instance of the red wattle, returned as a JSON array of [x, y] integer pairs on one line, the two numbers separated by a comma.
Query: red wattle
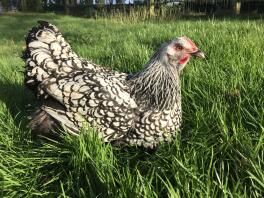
[[184, 59]]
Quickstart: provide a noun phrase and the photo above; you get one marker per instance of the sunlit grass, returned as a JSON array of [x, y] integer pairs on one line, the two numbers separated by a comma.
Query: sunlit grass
[[219, 152]]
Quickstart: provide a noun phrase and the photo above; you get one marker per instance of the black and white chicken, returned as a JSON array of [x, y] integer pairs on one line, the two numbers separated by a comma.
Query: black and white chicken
[[141, 109]]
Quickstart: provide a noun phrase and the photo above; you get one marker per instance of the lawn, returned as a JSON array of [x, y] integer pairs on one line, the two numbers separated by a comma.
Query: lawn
[[219, 152]]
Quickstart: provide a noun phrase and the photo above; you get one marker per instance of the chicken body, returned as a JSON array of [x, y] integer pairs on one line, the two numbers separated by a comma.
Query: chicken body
[[73, 91]]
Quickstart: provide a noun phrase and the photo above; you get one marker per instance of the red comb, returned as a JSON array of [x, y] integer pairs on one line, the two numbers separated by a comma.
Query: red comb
[[191, 43]]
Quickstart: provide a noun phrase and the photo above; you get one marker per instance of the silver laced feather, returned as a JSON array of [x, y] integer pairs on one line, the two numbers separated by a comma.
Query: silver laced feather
[[158, 84]]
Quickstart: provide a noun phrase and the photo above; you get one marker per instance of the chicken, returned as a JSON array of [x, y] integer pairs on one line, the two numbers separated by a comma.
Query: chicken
[[142, 109]]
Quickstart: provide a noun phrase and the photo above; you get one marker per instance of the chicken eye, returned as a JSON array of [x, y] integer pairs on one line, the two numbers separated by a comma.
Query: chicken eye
[[178, 47]]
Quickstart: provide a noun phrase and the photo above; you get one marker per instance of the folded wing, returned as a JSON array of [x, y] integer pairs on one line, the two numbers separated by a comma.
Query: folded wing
[[99, 98]]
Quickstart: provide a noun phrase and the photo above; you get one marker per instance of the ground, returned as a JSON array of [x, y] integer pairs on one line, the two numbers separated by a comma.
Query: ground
[[219, 152]]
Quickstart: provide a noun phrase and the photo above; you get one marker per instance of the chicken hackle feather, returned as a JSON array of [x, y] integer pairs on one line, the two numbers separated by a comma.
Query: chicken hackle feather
[[141, 109]]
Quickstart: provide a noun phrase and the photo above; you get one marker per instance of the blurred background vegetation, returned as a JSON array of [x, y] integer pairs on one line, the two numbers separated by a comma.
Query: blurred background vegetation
[[141, 8]]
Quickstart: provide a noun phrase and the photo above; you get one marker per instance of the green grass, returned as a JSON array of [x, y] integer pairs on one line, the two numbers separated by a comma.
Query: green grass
[[219, 152]]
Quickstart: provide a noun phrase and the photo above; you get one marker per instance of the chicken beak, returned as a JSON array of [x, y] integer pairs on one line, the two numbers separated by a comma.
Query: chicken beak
[[198, 54]]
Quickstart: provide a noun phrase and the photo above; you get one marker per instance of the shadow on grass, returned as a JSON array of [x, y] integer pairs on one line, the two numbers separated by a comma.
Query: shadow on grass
[[16, 98]]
